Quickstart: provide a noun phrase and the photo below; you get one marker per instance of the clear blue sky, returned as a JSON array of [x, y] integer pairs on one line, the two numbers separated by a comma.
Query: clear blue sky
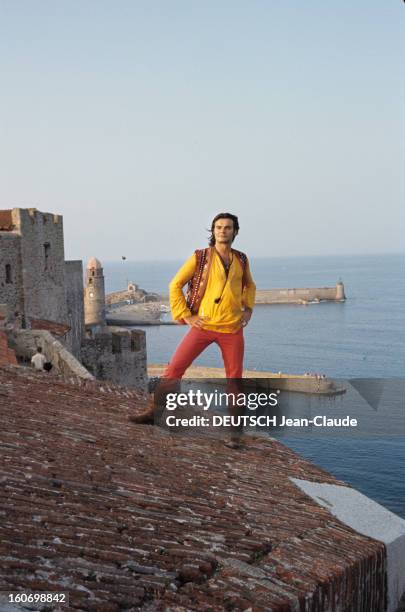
[[140, 120]]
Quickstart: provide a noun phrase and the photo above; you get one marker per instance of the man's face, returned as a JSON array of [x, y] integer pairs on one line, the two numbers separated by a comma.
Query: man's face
[[223, 231]]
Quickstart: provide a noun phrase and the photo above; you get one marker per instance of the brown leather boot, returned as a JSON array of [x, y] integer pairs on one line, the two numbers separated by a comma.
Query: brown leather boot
[[147, 416], [236, 441]]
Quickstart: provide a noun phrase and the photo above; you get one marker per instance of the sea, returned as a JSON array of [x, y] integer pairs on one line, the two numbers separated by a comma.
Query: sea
[[361, 339]]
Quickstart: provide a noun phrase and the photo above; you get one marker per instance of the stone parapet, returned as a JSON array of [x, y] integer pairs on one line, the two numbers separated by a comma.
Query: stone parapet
[[118, 356], [25, 343], [301, 295]]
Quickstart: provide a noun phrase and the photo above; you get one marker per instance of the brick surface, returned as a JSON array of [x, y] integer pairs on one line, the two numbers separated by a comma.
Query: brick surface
[[6, 220], [7, 355], [129, 517], [57, 329]]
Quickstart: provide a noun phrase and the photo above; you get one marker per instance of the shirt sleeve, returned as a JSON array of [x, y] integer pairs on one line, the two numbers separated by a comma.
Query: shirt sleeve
[[249, 290], [178, 304]]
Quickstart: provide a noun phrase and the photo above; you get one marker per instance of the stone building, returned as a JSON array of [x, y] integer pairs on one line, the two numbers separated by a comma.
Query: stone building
[[33, 272], [42, 291]]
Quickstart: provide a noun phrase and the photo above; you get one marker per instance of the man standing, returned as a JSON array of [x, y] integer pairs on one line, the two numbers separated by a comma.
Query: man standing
[[38, 360], [219, 304]]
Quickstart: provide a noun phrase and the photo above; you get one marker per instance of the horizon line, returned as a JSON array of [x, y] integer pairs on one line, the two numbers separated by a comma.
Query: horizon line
[[250, 257]]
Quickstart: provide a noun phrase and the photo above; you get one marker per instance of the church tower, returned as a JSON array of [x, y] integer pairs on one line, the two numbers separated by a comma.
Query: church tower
[[94, 294]]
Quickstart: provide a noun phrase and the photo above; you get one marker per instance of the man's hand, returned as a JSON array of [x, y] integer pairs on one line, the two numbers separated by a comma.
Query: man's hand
[[246, 315], [195, 321]]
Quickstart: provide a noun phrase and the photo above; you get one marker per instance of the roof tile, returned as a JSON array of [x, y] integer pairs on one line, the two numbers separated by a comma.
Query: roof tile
[[125, 515]]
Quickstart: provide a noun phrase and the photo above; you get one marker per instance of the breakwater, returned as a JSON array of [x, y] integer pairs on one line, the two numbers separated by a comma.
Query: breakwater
[[301, 383], [305, 295], [300, 295]]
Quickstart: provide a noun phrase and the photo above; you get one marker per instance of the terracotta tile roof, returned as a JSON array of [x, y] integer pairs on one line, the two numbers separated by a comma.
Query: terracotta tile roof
[[7, 355], [6, 221], [132, 517], [57, 329]]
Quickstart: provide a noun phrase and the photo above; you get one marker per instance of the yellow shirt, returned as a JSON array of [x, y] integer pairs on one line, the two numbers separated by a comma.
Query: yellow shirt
[[227, 314]]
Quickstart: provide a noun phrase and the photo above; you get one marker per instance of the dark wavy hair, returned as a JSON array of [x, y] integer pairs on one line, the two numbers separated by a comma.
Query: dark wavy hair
[[234, 218]]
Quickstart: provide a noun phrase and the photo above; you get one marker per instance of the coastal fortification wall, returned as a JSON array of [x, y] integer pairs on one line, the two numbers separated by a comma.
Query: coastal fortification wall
[[7, 355], [119, 356], [368, 518], [42, 263], [75, 305], [43, 292], [11, 288], [25, 342], [300, 295]]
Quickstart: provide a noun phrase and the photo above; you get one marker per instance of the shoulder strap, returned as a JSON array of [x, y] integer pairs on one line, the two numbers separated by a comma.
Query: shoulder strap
[[242, 258]]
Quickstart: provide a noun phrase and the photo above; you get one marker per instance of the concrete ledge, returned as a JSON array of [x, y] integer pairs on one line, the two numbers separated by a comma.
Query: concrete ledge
[[370, 519], [128, 322], [299, 383], [304, 295]]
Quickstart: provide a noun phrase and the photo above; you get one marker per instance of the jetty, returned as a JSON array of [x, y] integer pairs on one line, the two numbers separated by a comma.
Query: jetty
[[299, 383], [307, 295]]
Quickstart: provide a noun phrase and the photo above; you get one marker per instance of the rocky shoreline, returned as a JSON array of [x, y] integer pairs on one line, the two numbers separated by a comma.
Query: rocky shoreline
[[150, 313]]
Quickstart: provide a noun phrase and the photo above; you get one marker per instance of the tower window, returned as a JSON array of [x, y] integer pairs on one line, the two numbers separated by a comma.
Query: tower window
[[90, 281], [116, 344], [135, 342], [8, 274], [47, 252]]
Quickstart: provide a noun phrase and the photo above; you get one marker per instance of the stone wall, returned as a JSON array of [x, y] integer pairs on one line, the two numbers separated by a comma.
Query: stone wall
[[25, 342], [119, 356], [11, 291], [42, 263], [7, 355], [297, 296], [75, 305]]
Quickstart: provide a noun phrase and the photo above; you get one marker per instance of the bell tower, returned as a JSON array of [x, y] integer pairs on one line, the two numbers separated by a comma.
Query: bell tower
[[94, 294]]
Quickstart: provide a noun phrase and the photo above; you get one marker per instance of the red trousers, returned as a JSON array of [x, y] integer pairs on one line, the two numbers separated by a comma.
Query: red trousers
[[196, 340]]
